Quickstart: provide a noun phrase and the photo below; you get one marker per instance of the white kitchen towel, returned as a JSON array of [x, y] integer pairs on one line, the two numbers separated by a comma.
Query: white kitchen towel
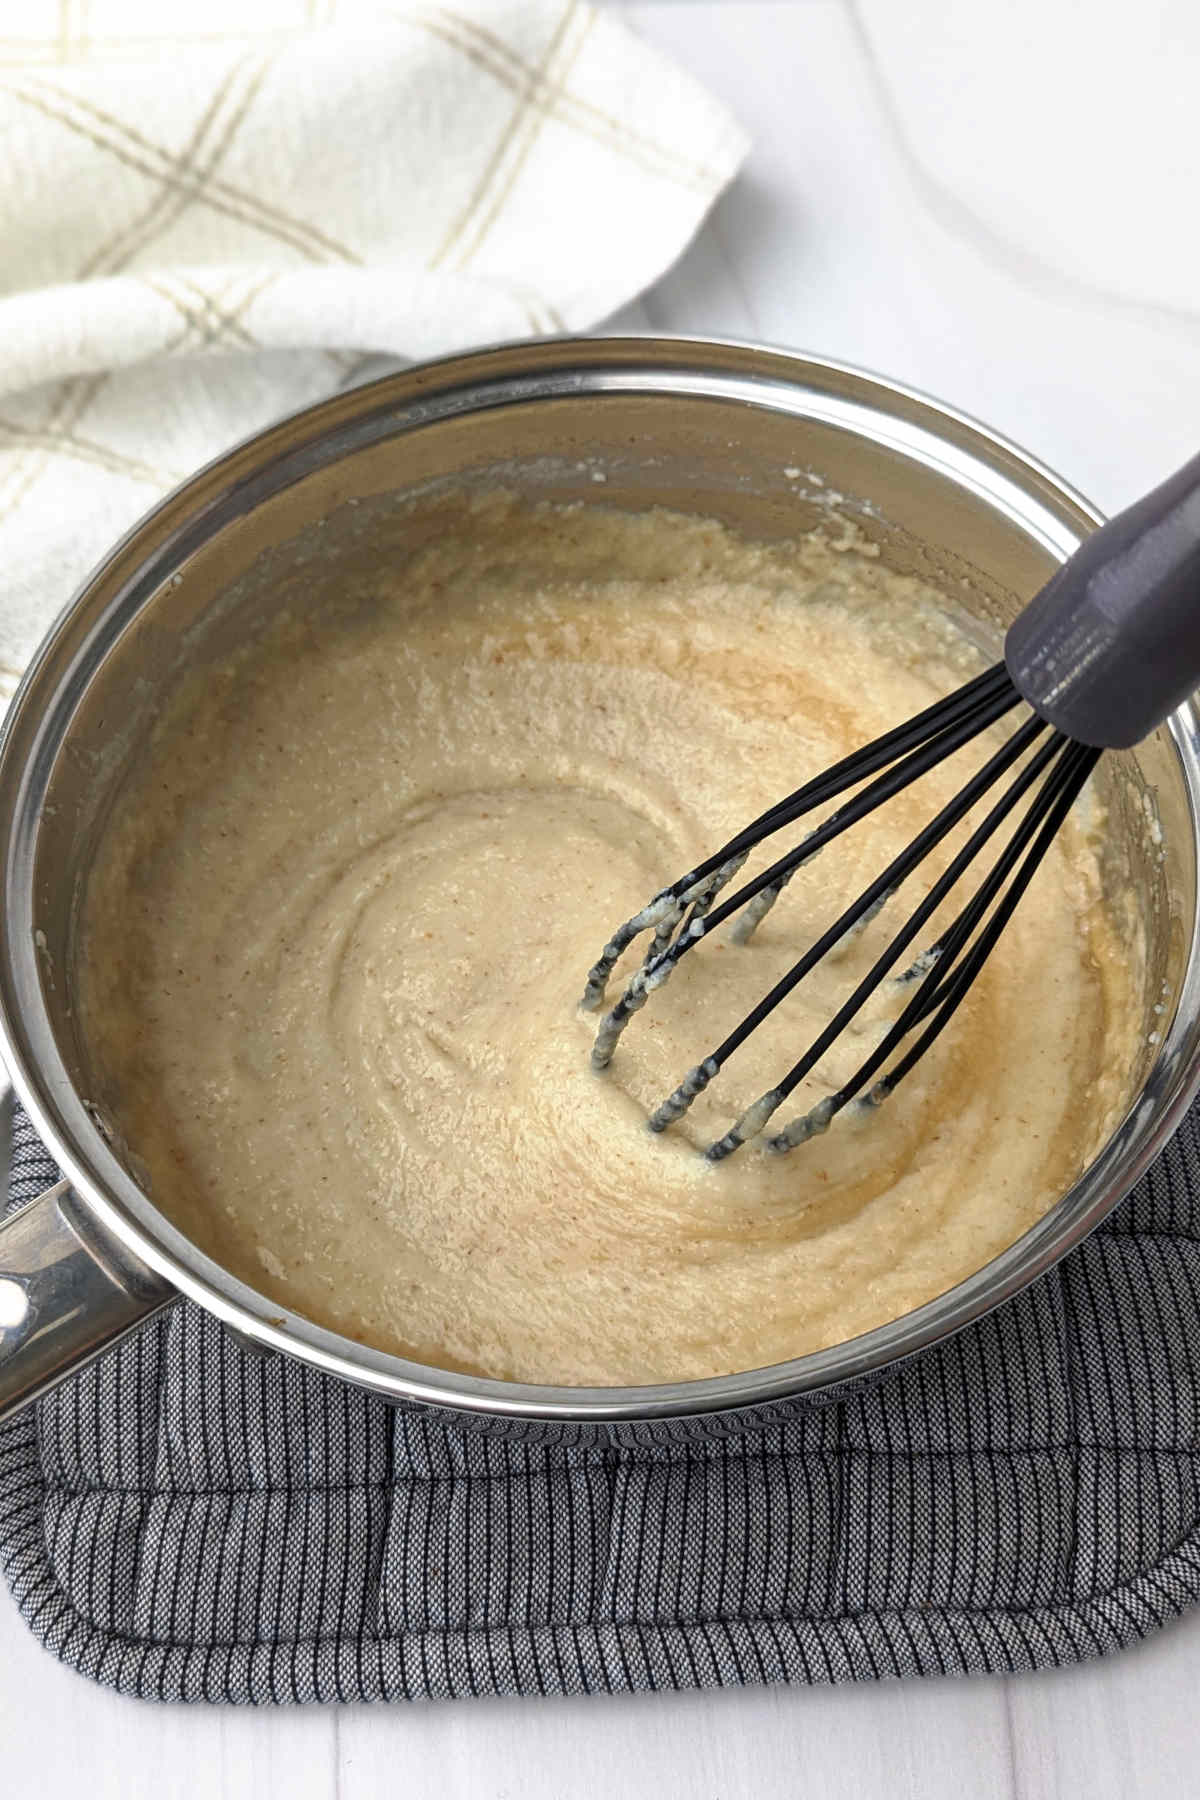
[[285, 187]]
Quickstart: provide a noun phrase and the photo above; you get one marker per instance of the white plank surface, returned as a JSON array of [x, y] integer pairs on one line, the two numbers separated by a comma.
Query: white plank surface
[[893, 213]]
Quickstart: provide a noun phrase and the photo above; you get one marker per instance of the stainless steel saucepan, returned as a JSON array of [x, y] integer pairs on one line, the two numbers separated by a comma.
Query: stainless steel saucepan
[[767, 441]]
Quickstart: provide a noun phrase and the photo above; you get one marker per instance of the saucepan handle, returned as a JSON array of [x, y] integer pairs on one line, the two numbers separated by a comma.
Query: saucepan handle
[[67, 1291]]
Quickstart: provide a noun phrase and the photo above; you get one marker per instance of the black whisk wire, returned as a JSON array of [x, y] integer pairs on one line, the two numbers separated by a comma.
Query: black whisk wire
[[934, 722], [682, 915], [947, 996], [892, 877], [926, 731], [984, 708], [939, 955], [946, 980]]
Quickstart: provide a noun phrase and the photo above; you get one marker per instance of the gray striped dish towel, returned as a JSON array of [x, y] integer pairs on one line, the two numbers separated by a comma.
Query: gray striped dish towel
[[185, 1520]]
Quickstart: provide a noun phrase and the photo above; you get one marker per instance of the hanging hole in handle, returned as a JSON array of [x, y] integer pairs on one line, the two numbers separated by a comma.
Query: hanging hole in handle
[[68, 1291], [14, 1303]]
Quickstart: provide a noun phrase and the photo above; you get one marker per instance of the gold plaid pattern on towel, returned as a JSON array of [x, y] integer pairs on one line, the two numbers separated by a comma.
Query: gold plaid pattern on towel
[[286, 195]]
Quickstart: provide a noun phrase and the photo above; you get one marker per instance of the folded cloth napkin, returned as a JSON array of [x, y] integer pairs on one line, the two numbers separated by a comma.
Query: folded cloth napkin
[[411, 179]]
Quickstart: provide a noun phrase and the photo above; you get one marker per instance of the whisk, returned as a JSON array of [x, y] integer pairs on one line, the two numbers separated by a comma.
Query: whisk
[[1103, 653]]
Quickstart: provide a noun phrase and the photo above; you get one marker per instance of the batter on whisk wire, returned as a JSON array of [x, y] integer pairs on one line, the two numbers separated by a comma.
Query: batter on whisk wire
[[337, 934]]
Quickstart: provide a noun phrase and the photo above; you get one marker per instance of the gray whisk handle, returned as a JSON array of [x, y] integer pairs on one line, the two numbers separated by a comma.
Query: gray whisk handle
[[1111, 644]]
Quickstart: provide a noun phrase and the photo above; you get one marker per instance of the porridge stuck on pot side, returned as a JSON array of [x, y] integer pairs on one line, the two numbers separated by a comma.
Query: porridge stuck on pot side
[[339, 924]]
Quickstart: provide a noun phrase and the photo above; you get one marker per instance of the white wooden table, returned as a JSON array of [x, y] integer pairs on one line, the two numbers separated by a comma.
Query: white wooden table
[[995, 204]]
